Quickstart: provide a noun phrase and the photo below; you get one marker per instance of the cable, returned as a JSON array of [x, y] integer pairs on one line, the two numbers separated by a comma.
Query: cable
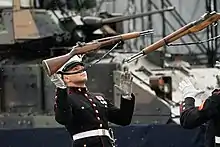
[[192, 43]]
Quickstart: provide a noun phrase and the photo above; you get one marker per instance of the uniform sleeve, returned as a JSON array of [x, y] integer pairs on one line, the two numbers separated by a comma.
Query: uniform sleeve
[[192, 117], [63, 111], [123, 115]]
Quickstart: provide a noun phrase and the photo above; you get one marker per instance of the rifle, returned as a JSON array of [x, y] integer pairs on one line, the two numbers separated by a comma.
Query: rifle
[[193, 27], [52, 65]]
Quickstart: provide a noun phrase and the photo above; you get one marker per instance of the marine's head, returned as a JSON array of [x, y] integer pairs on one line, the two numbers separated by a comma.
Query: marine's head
[[75, 79]]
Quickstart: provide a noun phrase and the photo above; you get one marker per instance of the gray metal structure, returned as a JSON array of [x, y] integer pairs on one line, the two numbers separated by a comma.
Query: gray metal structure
[[165, 23]]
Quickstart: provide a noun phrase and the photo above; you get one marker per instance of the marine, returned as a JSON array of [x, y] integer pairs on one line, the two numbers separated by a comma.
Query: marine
[[86, 115], [206, 116]]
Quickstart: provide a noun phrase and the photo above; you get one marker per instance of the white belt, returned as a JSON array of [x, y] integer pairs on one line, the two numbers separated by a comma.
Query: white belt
[[98, 132]]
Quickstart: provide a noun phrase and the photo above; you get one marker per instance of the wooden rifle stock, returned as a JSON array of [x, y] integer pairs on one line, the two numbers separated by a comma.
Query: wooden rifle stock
[[192, 27], [52, 65], [170, 38]]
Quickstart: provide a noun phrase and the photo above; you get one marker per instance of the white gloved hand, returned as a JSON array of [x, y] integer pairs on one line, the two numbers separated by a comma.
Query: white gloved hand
[[125, 85], [187, 89], [57, 80], [217, 64]]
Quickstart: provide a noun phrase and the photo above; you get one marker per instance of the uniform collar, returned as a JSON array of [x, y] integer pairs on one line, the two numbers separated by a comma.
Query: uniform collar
[[77, 90]]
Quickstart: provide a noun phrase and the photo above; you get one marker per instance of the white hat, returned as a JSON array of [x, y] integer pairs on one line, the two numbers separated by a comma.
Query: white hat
[[76, 58]]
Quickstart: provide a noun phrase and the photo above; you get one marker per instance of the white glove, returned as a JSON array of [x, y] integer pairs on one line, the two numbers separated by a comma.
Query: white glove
[[125, 85], [217, 64], [57, 80], [187, 89]]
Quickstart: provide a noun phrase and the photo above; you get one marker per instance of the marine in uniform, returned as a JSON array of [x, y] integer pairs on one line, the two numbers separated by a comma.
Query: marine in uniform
[[85, 114], [206, 116]]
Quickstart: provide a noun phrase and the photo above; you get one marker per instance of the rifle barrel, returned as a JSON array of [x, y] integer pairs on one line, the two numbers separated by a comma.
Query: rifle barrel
[[123, 18], [142, 33]]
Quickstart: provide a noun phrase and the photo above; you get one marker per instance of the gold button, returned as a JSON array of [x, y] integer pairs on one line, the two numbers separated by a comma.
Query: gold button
[[86, 94], [84, 145], [100, 125], [98, 118], [90, 100], [94, 105]]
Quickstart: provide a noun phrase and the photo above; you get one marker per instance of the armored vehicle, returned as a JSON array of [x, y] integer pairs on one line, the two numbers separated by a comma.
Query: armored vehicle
[[31, 32]]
